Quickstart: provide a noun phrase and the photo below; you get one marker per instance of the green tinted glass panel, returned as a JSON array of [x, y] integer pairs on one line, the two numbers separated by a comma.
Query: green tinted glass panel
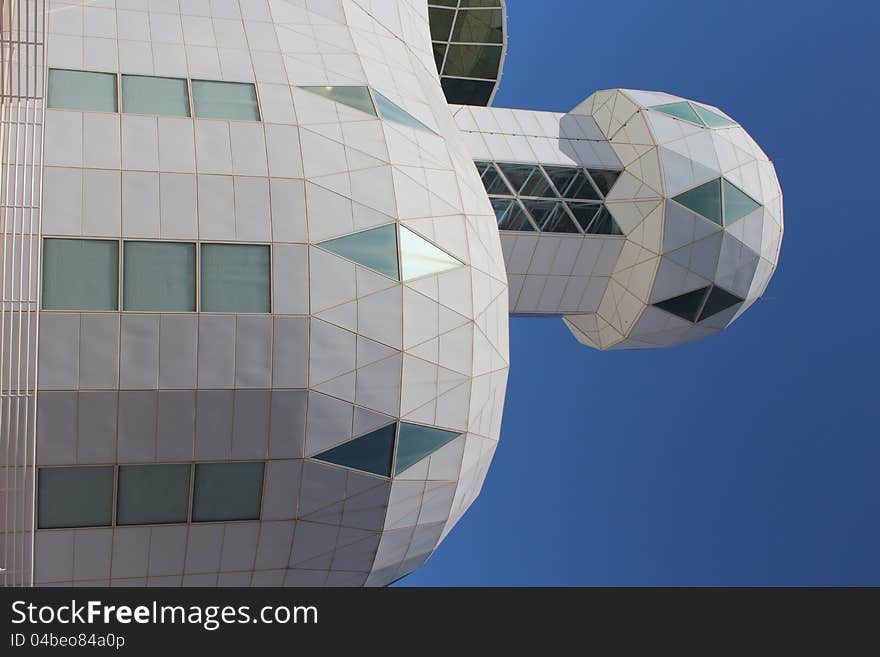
[[517, 175], [562, 177], [478, 26], [159, 276], [550, 216], [719, 300], [467, 92], [493, 182], [391, 112], [604, 180], [418, 257], [356, 97], [225, 100], [603, 224], [712, 119], [687, 306], [371, 453], [416, 442], [501, 206], [582, 188], [235, 278], [441, 23], [227, 491], [538, 185], [80, 274], [375, 248], [679, 110], [511, 216], [737, 204], [75, 497], [479, 3], [439, 54], [584, 213], [82, 90], [473, 61], [148, 95], [704, 200], [152, 494], [444, 3]]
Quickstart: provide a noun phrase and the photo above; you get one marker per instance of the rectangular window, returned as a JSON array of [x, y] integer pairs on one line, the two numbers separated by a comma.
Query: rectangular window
[[80, 274], [225, 100], [159, 276], [227, 491], [142, 94], [82, 90], [152, 494], [235, 278], [75, 497]]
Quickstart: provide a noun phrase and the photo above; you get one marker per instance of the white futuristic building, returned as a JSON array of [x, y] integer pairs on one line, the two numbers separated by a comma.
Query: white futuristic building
[[258, 262]]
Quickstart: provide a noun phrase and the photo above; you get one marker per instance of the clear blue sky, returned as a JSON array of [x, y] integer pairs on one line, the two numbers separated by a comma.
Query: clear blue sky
[[749, 458]]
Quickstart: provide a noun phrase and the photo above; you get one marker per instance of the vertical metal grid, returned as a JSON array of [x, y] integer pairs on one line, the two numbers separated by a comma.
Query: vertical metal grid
[[22, 85]]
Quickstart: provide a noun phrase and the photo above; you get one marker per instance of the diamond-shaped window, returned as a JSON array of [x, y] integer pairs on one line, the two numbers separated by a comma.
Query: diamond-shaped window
[[710, 118], [392, 112], [718, 301], [351, 96], [693, 113], [737, 204], [718, 200], [375, 452], [418, 257], [371, 453], [700, 304], [415, 442], [375, 248], [704, 200], [681, 110]]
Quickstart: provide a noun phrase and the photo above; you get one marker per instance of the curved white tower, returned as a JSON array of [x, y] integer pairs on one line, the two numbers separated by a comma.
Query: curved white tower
[[256, 293]]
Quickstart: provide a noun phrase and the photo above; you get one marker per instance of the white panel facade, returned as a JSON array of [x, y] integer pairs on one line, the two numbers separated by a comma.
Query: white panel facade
[[273, 288]]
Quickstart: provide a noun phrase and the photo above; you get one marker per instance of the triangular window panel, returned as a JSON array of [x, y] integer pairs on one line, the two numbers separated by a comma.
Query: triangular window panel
[[687, 306], [550, 216], [371, 452], [680, 110], [356, 97], [510, 215], [562, 177], [538, 185], [581, 188], [517, 175], [492, 180], [416, 442], [737, 204], [604, 180], [418, 257], [712, 119], [719, 300], [375, 248], [391, 112], [585, 213], [603, 224], [704, 200]]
